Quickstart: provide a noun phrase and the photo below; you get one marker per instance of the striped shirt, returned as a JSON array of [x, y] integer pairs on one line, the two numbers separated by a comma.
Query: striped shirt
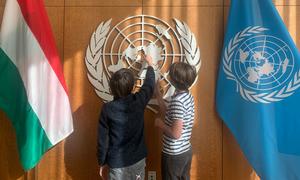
[[180, 107]]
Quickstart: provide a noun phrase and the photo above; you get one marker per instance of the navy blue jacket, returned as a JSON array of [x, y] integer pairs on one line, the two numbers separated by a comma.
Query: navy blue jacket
[[121, 127]]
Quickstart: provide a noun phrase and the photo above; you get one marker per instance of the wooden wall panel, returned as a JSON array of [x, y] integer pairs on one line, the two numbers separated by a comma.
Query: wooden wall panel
[[183, 3], [114, 3], [56, 18], [10, 167], [1, 12], [216, 155], [54, 2], [287, 2], [291, 18]]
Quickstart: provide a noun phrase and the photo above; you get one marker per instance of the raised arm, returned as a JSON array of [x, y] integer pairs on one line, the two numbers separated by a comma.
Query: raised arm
[[147, 89]]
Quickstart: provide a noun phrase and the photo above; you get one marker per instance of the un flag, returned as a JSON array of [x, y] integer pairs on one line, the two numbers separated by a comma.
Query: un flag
[[258, 94]]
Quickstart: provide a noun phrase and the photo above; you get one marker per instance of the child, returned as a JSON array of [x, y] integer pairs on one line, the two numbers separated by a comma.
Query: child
[[177, 124], [121, 143]]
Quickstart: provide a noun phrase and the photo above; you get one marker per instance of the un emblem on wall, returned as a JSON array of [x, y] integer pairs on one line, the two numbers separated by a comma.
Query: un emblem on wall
[[261, 65], [111, 49]]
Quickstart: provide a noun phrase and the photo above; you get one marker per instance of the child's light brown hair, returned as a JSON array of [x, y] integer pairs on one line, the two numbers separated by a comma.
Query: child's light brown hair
[[182, 75]]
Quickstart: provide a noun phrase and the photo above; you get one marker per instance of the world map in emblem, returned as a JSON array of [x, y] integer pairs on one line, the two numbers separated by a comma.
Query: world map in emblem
[[263, 63]]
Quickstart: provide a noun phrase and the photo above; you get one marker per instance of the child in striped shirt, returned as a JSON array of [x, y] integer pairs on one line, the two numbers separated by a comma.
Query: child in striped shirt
[[176, 123]]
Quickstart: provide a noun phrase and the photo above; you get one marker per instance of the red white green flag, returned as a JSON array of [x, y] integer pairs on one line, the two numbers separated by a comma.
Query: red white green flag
[[33, 91]]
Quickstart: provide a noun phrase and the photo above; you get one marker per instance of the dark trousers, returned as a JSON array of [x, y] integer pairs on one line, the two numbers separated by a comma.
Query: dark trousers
[[176, 167]]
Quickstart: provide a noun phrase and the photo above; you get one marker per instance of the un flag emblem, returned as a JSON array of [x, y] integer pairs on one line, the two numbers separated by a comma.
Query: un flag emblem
[[261, 65]]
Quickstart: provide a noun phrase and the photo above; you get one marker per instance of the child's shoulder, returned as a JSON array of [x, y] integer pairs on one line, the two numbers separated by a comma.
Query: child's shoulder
[[181, 96], [108, 105]]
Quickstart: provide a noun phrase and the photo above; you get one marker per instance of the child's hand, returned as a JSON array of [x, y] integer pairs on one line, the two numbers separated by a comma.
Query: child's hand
[[148, 59], [101, 171], [159, 123]]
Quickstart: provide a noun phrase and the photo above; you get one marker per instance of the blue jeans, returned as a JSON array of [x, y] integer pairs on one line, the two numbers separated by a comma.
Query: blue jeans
[[133, 172]]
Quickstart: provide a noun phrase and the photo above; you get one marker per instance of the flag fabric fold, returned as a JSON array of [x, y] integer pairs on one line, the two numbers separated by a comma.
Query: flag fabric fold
[[33, 91], [257, 92]]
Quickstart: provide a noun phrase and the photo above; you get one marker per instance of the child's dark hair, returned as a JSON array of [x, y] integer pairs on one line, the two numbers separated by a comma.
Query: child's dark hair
[[182, 75], [121, 83]]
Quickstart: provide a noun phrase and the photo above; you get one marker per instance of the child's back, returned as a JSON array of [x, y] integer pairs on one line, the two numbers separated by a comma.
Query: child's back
[[180, 106], [121, 143], [125, 119]]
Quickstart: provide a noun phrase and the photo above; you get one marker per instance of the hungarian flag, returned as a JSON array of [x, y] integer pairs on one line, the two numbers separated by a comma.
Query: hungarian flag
[[33, 91]]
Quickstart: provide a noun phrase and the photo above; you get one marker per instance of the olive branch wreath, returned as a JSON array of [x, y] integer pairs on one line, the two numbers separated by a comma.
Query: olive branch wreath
[[253, 96], [94, 62]]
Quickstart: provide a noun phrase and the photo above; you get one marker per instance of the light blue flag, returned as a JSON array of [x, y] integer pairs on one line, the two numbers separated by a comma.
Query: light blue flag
[[258, 94]]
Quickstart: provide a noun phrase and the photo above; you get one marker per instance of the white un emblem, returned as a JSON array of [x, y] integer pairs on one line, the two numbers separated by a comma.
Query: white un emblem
[[261, 65], [111, 49]]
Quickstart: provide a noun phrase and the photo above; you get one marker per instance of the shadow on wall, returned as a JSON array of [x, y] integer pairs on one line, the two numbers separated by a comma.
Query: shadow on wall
[[80, 147], [9, 158]]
